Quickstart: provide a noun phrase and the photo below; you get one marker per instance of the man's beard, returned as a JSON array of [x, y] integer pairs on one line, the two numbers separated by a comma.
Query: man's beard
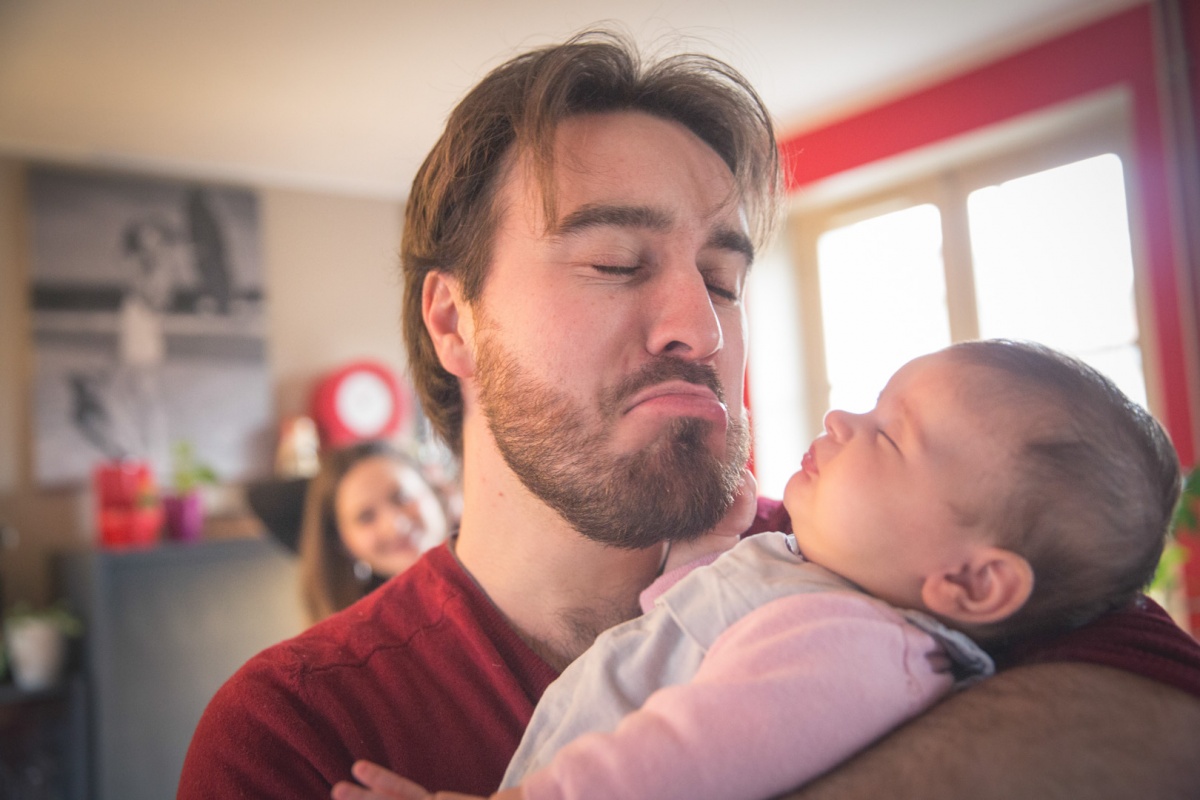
[[673, 488]]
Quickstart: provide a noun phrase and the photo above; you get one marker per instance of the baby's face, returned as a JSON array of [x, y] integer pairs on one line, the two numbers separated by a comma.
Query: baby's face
[[886, 497]]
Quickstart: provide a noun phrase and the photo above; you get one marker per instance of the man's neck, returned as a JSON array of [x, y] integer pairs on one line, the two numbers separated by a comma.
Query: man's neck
[[558, 589]]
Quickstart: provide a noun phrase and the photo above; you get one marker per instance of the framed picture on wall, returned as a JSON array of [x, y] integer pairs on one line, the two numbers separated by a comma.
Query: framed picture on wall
[[148, 324]]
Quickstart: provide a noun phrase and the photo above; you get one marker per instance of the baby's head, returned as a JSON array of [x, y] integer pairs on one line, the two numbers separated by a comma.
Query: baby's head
[[1002, 486], [1093, 487]]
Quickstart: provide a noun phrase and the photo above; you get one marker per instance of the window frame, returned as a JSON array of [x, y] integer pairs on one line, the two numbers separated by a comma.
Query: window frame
[[945, 174]]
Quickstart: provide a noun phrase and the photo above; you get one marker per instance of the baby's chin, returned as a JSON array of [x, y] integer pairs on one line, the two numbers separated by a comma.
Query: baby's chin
[[793, 493]]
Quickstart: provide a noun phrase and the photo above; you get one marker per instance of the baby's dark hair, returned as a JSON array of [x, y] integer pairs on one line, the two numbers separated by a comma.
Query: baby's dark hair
[[1095, 482]]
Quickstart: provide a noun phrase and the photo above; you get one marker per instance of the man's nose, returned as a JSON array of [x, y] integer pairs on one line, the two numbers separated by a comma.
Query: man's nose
[[684, 323]]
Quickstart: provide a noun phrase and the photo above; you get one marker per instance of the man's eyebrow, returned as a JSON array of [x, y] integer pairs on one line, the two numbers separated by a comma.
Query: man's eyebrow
[[597, 216], [734, 240], [617, 216]]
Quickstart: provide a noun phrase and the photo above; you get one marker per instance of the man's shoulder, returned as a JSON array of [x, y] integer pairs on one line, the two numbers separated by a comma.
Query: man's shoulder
[[366, 682], [339, 647], [429, 620], [433, 593], [1141, 639]]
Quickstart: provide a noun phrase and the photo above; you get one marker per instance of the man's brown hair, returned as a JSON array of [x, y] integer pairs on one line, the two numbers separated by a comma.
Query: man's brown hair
[[450, 219]]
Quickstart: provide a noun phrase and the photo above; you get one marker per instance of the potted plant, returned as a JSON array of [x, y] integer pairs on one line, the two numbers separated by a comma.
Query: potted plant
[[35, 642], [184, 506], [1166, 587]]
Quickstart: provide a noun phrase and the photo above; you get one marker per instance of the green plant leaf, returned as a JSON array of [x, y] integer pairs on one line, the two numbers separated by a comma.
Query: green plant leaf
[[186, 472], [1166, 574], [1184, 520], [57, 614]]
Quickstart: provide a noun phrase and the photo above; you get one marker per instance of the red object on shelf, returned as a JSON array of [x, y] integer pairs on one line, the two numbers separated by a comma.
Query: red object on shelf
[[128, 510], [362, 400]]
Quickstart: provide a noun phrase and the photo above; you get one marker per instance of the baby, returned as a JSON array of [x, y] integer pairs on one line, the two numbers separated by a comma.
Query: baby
[[997, 491]]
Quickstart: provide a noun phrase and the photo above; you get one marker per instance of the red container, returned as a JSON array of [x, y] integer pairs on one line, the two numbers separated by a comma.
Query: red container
[[128, 510]]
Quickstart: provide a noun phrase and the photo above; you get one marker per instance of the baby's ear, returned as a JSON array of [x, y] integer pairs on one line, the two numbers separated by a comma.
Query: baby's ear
[[991, 586]]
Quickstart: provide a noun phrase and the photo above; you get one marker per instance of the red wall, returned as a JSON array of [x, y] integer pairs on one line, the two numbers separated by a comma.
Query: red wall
[[1191, 24]]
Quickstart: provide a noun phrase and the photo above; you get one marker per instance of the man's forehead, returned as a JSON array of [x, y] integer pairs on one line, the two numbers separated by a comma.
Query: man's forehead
[[576, 170]]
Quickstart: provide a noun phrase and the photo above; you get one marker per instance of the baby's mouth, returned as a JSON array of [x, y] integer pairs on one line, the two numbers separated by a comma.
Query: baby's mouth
[[809, 462]]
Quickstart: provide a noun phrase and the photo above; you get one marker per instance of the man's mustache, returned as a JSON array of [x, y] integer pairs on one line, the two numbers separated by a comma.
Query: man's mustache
[[659, 371]]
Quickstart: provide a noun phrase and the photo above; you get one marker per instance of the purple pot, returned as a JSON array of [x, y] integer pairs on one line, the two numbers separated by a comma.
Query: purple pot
[[185, 516]]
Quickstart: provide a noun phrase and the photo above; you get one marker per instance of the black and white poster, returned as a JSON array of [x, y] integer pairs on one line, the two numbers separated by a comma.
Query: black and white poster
[[148, 324]]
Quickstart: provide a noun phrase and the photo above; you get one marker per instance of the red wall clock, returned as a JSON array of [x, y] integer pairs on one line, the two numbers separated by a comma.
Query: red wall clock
[[360, 401]]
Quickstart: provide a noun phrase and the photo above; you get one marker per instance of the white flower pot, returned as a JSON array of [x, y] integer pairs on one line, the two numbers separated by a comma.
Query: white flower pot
[[37, 650]]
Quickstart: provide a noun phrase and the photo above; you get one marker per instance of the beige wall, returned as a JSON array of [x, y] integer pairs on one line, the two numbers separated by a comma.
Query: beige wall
[[332, 295], [333, 286]]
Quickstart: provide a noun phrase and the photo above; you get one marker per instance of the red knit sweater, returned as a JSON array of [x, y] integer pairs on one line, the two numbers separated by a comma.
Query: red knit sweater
[[426, 677]]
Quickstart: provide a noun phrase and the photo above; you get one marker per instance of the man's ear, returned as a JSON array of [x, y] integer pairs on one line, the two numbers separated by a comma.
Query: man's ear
[[449, 322], [992, 585]]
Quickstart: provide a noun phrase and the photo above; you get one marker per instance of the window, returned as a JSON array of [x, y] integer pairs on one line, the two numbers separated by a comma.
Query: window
[[1053, 263], [1022, 232], [883, 300]]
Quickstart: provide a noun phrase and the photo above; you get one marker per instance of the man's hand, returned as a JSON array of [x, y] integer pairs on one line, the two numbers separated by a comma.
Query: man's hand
[[725, 533]]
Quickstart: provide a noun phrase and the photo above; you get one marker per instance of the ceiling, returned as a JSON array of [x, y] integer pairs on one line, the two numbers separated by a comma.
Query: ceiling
[[349, 96]]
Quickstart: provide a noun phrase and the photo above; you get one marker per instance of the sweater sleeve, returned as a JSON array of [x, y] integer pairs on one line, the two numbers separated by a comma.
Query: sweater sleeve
[[254, 726], [788, 692]]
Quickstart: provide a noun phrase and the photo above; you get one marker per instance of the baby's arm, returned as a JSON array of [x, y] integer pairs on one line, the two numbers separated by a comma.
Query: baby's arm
[[784, 695], [683, 557], [380, 783], [725, 533]]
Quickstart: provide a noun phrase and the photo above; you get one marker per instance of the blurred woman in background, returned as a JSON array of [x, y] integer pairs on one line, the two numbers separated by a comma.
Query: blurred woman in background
[[368, 515]]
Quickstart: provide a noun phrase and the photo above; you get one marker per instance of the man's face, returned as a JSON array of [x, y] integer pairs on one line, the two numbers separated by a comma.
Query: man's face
[[610, 344]]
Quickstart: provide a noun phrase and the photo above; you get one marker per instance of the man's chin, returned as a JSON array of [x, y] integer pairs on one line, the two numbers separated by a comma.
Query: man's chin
[[673, 487], [663, 437], [677, 485]]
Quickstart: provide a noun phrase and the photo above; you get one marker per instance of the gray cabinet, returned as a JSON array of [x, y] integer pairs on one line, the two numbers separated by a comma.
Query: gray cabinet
[[43, 742], [165, 628]]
